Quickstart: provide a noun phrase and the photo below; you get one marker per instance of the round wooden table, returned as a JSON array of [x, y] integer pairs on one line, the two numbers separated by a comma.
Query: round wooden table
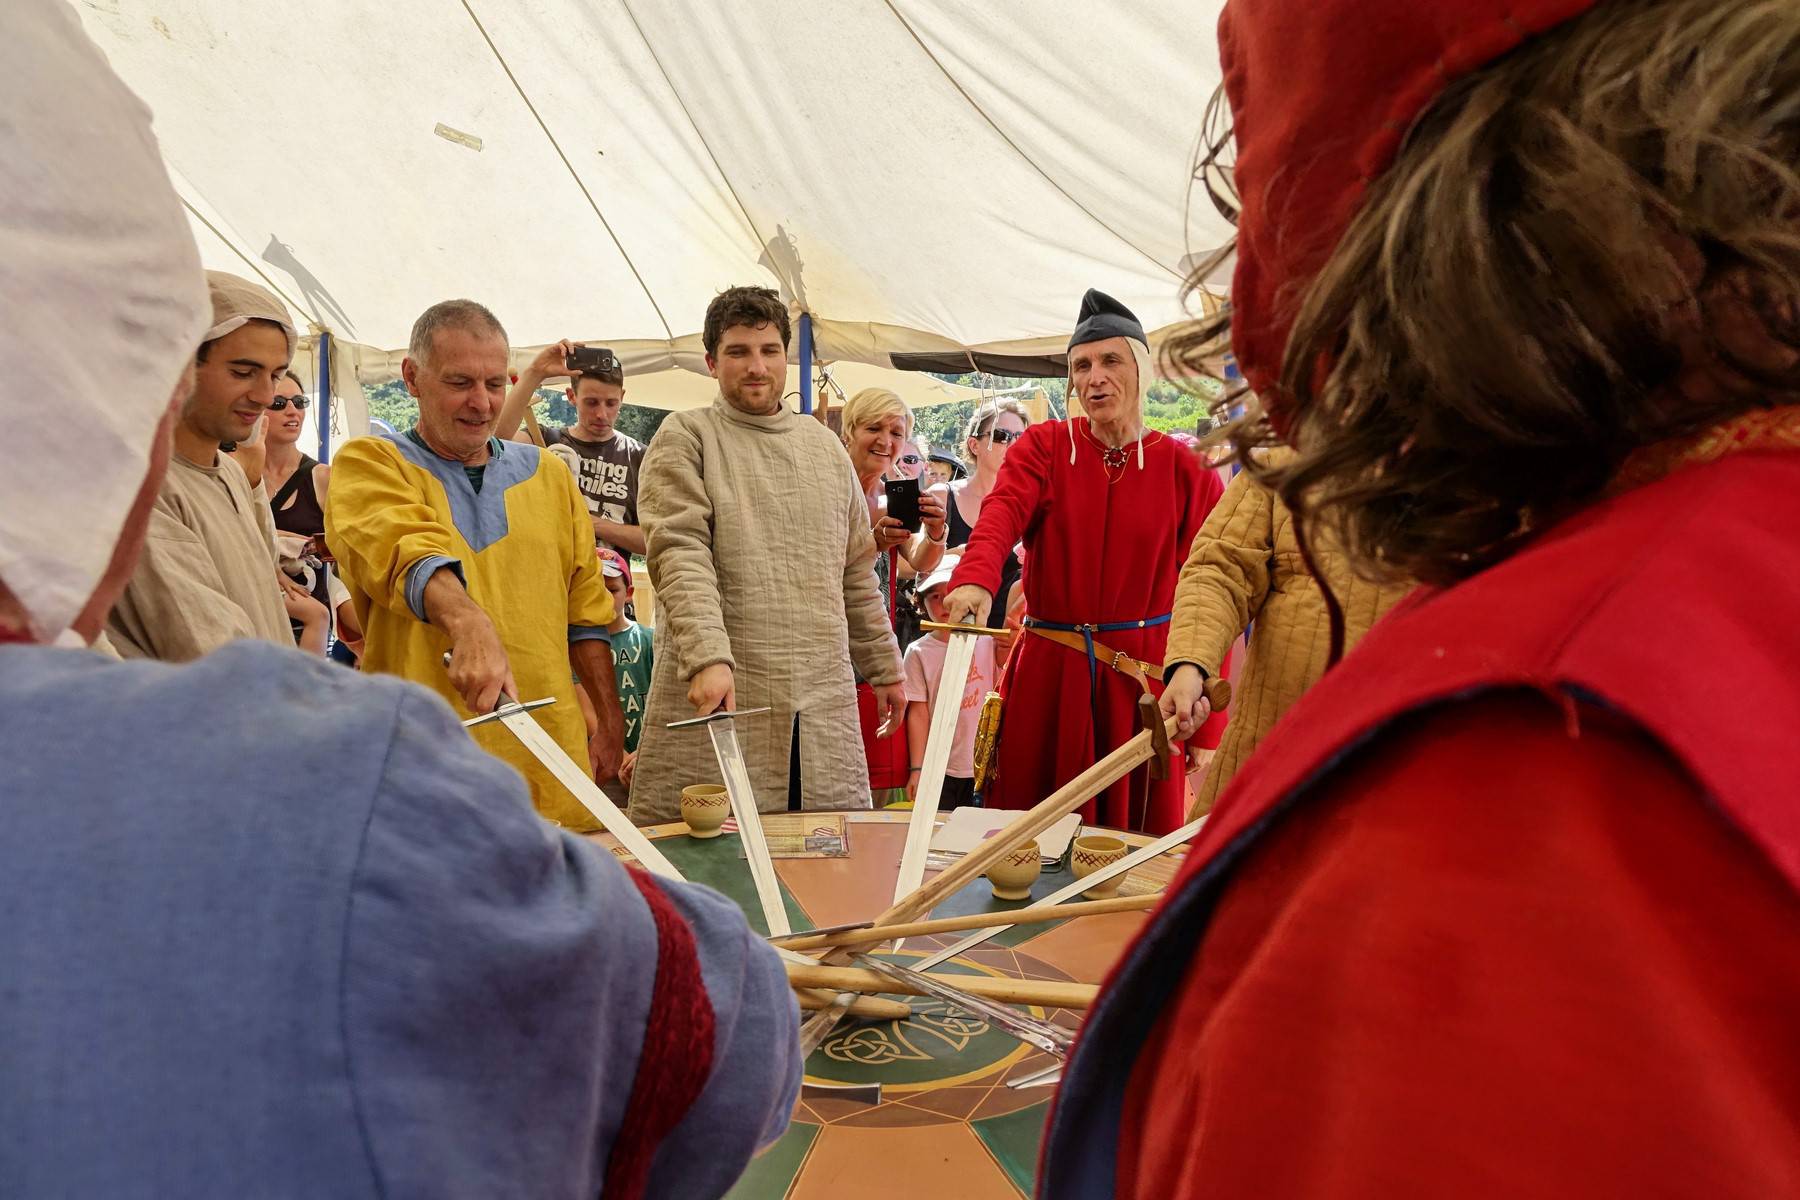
[[912, 1108]]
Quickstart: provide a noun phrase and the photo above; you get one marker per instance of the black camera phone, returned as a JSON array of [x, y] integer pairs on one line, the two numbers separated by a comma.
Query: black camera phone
[[592, 360], [903, 503]]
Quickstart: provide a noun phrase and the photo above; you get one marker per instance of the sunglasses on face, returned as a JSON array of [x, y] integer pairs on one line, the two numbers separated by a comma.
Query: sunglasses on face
[[1002, 437], [281, 402], [911, 460]]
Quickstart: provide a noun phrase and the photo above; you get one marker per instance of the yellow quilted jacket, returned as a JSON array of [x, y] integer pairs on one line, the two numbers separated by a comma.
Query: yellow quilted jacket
[[1245, 567]]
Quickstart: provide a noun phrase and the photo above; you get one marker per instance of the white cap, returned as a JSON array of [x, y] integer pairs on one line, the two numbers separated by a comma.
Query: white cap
[[105, 305]]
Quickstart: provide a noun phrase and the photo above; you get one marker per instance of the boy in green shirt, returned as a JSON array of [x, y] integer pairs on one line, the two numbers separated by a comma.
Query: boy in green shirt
[[633, 648]]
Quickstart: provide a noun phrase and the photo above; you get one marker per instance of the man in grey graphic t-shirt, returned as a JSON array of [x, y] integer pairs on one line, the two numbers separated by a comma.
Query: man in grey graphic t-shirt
[[604, 460]]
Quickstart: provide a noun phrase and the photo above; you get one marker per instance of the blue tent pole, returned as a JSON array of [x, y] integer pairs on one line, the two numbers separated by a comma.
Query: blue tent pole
[[324, 382], [806, 355]]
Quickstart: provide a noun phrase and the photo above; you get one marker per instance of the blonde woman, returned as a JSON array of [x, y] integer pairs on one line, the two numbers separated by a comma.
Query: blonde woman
[[876, 426]]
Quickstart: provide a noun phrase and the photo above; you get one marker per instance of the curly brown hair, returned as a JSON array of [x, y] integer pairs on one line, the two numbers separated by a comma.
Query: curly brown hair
[[1587, 247], [749, 306]]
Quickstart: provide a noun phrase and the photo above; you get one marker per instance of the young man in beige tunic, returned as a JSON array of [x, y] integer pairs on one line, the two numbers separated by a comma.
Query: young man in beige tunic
[[209, 572], [762, 561]]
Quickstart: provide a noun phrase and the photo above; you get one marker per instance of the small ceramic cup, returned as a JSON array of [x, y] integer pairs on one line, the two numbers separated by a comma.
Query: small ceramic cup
[[1015, 871], [1093, 852], [704, 807]]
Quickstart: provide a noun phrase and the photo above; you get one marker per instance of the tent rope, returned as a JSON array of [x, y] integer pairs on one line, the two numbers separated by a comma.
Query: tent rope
[[1017, 149], [743, 209], [570, 167]]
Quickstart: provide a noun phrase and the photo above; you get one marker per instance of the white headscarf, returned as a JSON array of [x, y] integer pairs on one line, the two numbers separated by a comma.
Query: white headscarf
[[105, 304]]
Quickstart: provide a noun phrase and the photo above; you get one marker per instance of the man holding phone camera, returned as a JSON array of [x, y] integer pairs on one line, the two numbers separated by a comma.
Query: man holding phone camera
[[607, 460]]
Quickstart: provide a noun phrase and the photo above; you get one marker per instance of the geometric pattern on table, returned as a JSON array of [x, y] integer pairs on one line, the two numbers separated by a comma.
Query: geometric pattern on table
[[946, 1125]]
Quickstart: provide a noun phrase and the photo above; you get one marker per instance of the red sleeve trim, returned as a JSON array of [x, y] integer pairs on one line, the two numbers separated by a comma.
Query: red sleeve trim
[[677, 1055]]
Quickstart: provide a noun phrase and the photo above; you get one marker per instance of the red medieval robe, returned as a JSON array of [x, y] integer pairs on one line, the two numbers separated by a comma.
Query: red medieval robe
[[1101, 546], [1507, 905]]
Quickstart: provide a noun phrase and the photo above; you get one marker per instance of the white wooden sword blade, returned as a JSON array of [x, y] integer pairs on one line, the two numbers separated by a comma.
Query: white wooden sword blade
[[543, 747], [959, 657], [749, 823]]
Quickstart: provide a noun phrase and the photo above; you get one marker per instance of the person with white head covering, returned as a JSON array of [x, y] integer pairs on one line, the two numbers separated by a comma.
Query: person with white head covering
[[210, 572], [383, 976], [1107, 510]]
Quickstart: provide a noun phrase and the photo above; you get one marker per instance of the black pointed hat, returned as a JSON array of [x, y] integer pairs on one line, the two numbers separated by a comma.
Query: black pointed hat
[[1102, 317]]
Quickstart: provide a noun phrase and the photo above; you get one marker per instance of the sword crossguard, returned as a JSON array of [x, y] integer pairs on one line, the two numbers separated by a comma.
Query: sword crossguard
[[1161, 750], [712, 718], [945, 627], [507, 708]]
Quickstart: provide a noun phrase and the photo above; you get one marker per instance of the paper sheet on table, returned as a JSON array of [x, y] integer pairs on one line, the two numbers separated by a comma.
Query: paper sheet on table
[[803, 835], [969, 827]]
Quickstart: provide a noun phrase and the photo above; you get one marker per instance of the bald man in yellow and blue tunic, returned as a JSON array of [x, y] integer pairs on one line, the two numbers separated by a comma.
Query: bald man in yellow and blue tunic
[[452, 540]]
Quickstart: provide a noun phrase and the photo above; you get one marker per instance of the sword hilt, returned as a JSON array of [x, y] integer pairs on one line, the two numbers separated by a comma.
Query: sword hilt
[[946, 627], [505, 705], [713, 718], [506, 708]]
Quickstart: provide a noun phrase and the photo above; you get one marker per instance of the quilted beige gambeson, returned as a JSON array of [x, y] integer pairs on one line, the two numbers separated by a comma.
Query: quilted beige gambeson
[[1245, 567], [762, 558]]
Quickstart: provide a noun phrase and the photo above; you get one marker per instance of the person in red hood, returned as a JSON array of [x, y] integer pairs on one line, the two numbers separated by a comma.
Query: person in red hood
[[1506, 906]]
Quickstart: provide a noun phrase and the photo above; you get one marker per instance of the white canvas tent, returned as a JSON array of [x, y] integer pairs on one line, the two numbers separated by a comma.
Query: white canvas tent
[[915, 176]]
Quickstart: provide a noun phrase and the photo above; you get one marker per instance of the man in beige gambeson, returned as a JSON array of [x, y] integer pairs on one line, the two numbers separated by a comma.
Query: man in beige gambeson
[[762, 561]]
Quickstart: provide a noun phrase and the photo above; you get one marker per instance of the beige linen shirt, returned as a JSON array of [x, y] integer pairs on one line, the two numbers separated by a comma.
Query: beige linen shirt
[[762, 558], [207, 574]]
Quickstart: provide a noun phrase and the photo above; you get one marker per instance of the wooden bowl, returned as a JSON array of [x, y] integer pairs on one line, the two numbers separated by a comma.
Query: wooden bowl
[[1015, 872], [704, 806], [1093, 852]]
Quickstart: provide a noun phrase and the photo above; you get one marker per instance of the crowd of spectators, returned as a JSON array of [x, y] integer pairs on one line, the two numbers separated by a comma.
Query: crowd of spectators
[[243, 494]]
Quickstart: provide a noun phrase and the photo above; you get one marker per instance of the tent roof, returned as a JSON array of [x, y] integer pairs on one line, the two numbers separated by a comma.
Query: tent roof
[[921, 175]]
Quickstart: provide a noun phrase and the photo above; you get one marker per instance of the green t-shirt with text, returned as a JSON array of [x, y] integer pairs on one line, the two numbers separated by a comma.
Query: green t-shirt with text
[[633, 653]]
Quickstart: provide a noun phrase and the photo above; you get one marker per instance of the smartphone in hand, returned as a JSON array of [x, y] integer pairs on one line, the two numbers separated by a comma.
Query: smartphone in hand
[[903, 503], [592, 360]]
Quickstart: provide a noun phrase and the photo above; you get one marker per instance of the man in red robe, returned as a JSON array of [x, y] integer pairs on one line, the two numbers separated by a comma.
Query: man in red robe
[[1506, 906], [1107, 511]]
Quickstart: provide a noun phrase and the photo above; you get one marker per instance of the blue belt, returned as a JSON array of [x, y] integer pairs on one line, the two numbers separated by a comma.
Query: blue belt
[[1087, 633]]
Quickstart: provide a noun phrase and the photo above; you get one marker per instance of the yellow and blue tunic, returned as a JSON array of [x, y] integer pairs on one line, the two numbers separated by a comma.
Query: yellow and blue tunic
[[517, 533]]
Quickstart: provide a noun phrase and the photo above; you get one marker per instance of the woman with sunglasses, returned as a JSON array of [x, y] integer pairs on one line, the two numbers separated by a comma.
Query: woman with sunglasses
[[296, 484], [995, 426], [910, 463], [877, 427]]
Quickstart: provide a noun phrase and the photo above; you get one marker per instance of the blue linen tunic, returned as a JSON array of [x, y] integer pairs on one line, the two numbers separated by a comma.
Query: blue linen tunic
[[269, 928]]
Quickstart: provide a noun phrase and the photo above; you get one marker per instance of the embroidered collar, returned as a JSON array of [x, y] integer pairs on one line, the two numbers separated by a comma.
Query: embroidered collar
[[1758, 429]]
